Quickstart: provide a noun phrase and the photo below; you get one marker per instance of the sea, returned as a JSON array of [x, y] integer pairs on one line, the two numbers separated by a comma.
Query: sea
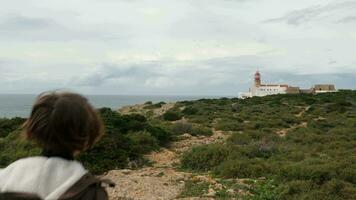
[[19, 105]]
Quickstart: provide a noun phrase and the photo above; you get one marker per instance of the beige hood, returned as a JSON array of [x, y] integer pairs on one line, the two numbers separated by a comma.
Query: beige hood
[[49, 178]]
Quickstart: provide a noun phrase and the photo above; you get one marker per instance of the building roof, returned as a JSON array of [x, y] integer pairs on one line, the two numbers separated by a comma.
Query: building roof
[[273, 85]]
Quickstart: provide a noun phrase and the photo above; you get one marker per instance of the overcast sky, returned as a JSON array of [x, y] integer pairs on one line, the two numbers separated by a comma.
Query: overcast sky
[[181, 47]]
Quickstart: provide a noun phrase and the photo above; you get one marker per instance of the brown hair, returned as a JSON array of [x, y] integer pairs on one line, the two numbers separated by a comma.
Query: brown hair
[[63, 122]]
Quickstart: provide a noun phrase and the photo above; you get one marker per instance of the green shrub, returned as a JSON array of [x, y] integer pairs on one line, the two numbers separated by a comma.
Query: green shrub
[[142, 142], [14, 147], [182, 127], [201, 130], [126, 138], [190, 110], [148, 103], [264, 190], [154, 106], [242, 168], [227, 125], [9, 125], [161, 134], [239, 139], [205, 157], [171, 116]]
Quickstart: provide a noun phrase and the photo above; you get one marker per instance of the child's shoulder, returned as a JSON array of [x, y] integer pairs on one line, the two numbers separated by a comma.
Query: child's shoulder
[[45, 176]]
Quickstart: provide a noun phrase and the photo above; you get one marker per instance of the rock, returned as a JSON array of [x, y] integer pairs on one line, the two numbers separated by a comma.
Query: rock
[[211, 192], [219, 186], [230, 191], [201, 178], [185, 136]]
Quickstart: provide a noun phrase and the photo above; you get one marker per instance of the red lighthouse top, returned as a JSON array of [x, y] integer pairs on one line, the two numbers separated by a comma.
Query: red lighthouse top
[[257, 75], [257, 78]]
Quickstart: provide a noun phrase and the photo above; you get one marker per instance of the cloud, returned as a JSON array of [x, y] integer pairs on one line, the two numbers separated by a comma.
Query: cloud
[[218, 76], [331, 62], [180, 47], [27, 28], [107, 73], [349, 19], [22, 23], [314, 13]]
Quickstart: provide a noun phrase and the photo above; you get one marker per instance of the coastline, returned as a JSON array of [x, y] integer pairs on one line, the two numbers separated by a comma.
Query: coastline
[[19, 105]]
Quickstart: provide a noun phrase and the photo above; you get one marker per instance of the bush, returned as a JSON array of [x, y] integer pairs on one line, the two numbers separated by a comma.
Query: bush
[[161, 134], [153, 106], [227, 125], [182, 127], [171, 116], [126, 139], [190, 110], [142, 142], [264, 190], [242, 168], [200, 130], [148, 103], [9, 125], [239, 139], [205, 157], [13, 147], [111, 152]]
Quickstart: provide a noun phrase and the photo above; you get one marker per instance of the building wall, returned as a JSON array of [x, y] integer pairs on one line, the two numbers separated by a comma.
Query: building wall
[[268, 90], [324, 88]]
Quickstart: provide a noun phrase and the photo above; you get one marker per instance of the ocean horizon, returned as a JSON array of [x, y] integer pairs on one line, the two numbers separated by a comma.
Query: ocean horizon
[[19, 105]]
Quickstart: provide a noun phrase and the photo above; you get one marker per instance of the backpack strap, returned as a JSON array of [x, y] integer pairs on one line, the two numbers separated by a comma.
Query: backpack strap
[[87, 182], [18, 196]]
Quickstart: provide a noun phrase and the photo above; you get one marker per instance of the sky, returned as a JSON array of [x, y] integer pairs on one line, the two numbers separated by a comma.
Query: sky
[[166, 47]]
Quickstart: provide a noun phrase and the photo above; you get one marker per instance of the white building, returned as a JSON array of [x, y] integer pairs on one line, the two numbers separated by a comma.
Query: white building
[[259, 89]]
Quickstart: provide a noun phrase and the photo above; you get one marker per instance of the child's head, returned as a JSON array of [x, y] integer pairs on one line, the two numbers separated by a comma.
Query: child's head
[[63, 122]]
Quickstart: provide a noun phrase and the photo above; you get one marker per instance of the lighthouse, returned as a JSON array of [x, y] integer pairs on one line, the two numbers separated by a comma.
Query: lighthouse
[[257, 79], [259, 89]]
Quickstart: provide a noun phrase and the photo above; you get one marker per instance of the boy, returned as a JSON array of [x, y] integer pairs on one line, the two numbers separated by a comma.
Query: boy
[[63, 124]]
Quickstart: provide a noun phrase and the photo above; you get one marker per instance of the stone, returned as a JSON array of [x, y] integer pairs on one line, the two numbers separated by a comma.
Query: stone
[[211, 192], [230, 191]]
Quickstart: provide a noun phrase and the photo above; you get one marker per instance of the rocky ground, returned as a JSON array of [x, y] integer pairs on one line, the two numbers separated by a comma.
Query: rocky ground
[[161, 180]]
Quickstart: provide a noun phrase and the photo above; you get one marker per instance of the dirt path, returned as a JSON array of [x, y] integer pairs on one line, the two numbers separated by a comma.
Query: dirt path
[[305, 109], [161, 180], [284, 131]]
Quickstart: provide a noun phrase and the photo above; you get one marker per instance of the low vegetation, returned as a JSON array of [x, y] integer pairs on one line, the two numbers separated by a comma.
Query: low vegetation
[[9, 125], [127, 138], [285, 146], [303, 145], [150, 105]]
